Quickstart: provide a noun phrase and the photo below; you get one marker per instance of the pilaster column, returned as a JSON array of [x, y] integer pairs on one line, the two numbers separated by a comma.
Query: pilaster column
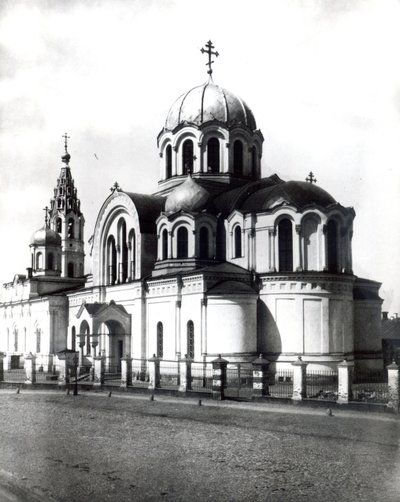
[[154, 373], [204, 326], [260, 377], [219, 378], [178, 342], [30, 369], [170, 238], [98, 363], [299, 379], [126, 372], [393, 387], [297, 249], [271, 249], [345, 376]]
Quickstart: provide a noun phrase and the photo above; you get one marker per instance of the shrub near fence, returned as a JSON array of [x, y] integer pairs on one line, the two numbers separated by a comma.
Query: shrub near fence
[[169, 373], [140, 373], [370, 386], [322, 385], [201, 376]]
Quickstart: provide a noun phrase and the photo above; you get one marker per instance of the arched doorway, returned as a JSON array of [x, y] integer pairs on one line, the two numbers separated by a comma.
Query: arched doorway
[[113, 344]]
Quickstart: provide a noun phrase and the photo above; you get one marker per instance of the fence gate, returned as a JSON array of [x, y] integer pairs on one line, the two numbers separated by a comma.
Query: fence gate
[[239, 381]]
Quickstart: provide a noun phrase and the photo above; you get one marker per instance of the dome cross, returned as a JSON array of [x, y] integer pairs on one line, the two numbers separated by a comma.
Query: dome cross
[[46, 216], [311, 178], [209, 50], [66, 138]]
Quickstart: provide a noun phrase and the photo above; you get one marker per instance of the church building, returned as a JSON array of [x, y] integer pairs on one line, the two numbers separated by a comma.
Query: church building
[[218, 260]]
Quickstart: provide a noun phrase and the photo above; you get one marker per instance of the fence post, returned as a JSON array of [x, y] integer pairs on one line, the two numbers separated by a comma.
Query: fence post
[[345, 376], [299, 379], [98, 362], [393, 386], [219, 377], [185, 367], [2, 356], [126, 371], [30, 369], [154, 372], [260, 377]]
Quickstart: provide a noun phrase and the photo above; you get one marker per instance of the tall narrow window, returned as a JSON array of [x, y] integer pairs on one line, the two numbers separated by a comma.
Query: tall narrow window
[[237, 253], [38, 340], [123, 254], [285, 243], [58, 225], [71, 233], [182, 244], [70, 271], [332, 236], [15, 340], [213, 155], [187, 157], [204, 243], [238, 158], [168, 161], [39, 261], [50, 261], [73, 338], [160, 340], [164, 244], [254, 162], [111, 261], [132, 249], [190, 339]]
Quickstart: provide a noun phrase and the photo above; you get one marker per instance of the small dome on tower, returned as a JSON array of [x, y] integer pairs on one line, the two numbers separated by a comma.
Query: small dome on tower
[[45, 237], [189, 196], [206, 103]]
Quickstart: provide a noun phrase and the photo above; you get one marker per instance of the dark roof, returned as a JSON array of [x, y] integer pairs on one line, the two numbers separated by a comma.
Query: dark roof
[[295, 193], [231, 288], [149, 208], [391, 329]]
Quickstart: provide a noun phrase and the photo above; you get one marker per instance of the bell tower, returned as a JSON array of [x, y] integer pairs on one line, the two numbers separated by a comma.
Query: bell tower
[[67, 220]]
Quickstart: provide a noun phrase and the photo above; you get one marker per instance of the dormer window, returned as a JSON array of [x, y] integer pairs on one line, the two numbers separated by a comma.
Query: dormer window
[[238, 158], [168, 162], [187, 157], [213, 155]]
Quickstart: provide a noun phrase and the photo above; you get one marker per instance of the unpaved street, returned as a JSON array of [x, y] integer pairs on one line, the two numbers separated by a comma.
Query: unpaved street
[[92, 447]]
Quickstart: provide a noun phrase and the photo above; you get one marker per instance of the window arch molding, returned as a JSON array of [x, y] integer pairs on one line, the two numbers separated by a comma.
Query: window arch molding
[[178, 145], [237, 240], [310, 241], [284, 226]]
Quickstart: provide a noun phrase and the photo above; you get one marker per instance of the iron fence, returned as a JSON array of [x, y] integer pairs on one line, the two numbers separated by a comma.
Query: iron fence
[[201, 376], [370, 386], [112, 374], [140, 373], [14, 375], [281, 383], [239, 380], [169, 373], [322, 384]]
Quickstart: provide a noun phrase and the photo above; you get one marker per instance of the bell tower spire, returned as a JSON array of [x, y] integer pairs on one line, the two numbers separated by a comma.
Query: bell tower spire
[[66, 218]]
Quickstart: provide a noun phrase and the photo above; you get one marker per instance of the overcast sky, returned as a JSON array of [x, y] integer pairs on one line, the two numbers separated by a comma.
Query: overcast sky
[[321, 77]]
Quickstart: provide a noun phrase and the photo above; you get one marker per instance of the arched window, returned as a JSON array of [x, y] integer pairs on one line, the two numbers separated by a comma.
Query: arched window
[[254, 161], [213, 155], [190, 339], [160, 340], [204, 243], [187, 157], [38, 340], [59, 225], [332, 231], [285, 243], [71, 233], [164, 244], [39, 261], [111, 261], [123, 258], [73, 338], [238, 158], [132, 249], [84, 330], [80, 228], [70, 269], [50, 261], [168, 161], [237, 252], [182, 244]]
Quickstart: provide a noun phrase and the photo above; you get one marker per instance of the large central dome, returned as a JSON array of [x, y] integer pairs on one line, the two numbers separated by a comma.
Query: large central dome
[[206, 103]]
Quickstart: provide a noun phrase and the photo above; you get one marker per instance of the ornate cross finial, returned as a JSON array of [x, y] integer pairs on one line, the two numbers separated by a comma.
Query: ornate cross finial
[[210, 52], [46, 216], [311, 178], [66, 138], [115, 187]]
